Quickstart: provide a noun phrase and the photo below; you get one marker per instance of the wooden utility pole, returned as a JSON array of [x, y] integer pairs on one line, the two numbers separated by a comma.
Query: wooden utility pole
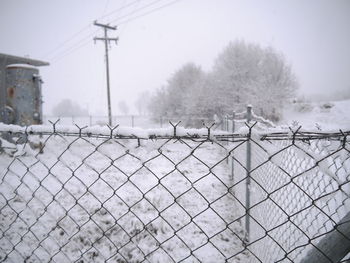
[[107, 40]]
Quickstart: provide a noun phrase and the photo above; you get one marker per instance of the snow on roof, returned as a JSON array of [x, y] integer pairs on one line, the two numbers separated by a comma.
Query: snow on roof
[[10, 59], [27, 66]]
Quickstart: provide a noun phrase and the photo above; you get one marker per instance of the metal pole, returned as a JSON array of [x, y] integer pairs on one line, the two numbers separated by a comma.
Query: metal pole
[[248, 167], [233, 121], [249, 113], [226, 129], [132, 121], [233, 130]]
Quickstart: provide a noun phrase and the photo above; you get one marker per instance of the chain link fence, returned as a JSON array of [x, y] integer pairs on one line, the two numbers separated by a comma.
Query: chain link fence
[[173, 195]]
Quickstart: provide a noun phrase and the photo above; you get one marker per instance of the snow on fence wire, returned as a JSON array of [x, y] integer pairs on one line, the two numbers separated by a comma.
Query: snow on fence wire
[[70, 194]]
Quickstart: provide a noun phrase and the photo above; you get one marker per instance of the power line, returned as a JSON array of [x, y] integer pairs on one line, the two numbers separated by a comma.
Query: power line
[[83, 29], [147, 13], [137, 10], [118, 9], [61, 45], [85, 40], [125, 25], [78, 44], [70, 51], [105, 8]]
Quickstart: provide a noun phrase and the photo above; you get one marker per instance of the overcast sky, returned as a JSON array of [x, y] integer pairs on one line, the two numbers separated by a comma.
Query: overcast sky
[[158, 37]]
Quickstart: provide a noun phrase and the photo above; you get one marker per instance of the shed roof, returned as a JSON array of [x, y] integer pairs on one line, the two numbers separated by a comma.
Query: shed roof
[[10, 59]]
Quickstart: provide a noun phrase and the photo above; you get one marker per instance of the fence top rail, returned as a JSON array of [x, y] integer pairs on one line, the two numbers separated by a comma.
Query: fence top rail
[[175, 131]]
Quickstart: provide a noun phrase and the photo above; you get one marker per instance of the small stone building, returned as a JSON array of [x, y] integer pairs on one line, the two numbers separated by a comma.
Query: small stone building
[[20, 90]]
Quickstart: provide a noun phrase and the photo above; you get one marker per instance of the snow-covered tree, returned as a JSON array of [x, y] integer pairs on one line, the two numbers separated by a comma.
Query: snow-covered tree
[[68, 108], [123, 107], [249, 74], [157, 105], [242, 74], [142, 102], [275, 86], [174, 100]]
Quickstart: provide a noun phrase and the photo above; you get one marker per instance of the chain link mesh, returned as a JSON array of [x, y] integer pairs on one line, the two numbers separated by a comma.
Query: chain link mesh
[[83, 197]]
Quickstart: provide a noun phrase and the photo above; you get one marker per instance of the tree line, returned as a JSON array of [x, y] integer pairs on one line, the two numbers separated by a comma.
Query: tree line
[[243, 73]]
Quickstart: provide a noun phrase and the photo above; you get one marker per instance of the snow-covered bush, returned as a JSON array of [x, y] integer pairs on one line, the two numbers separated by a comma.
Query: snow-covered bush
[[327, 105], [69, 108], [303, 107]]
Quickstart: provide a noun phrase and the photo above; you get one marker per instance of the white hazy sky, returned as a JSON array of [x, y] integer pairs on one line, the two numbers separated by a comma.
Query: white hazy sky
[[313, 35]]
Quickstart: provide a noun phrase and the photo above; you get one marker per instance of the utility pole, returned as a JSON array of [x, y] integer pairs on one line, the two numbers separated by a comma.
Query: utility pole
[[107, 40]]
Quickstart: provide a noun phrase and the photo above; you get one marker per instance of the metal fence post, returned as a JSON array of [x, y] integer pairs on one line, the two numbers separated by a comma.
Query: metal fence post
[[248, 167], [132, 121], [232, 160], [226, 129], [233, 121], [249, 113]]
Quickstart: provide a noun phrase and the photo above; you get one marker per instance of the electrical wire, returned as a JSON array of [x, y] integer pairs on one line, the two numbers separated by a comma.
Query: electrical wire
[[81, 43], [83, 29], [55, 60], [105, 8], [136, 10], [118, 9], [149, 12], [121, 31], [69, 39]]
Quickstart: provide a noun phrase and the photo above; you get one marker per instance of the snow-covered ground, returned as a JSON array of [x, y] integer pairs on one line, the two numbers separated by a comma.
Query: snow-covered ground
[[323, 116], [332, 115], [97, 200]]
